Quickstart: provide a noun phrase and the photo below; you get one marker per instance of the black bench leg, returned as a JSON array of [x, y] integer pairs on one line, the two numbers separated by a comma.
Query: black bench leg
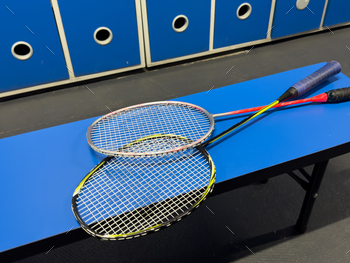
[[264, 181], [311, 194]]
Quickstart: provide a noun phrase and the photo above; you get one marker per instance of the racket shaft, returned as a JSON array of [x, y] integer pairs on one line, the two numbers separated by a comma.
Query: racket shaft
[[265, 108], [319, 98], [332, 96], [296, 90]]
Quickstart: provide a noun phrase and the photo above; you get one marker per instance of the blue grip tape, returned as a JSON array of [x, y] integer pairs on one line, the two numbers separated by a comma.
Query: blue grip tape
[[332, 68]]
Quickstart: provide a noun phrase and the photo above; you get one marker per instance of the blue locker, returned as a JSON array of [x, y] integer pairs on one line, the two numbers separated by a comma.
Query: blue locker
[[30, 48], [238, 21], [288, 19], [178, 28], [338, 11], [101, 35]]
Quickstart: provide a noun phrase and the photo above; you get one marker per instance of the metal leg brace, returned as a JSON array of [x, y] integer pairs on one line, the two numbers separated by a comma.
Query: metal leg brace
[[311, 186]]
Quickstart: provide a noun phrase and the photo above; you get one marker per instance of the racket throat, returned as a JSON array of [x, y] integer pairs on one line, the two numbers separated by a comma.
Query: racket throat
[[289, 94], [271, 105]]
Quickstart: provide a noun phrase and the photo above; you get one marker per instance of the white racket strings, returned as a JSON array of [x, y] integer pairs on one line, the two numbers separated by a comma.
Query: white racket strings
[[116, 132], [130, 195]]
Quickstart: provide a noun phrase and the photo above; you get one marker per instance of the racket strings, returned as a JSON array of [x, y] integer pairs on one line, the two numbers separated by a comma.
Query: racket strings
[[140, 219], [117, 131], [134, 166], [101, 225], [172, 203], [108, 224], [129, 195], [147, 199], [140, 222], [155, 144]]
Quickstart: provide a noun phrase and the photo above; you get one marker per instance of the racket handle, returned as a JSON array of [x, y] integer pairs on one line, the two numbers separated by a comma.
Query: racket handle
[[330, 69], [338, 95]]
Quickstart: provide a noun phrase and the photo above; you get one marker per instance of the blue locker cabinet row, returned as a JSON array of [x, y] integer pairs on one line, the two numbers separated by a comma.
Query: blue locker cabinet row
[[238, 22], [101, 36], [31, 52], [177, 28], [338, 12], [106, 35], [296, 16], [180, 29], [292, 17]]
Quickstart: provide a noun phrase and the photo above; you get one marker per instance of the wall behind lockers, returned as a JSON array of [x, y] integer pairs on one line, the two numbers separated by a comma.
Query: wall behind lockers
[[51, 43]]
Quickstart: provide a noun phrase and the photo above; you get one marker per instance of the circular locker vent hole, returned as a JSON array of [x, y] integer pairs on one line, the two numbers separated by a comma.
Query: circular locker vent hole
[[180, 23], [22, 50], [103, 36], [302, 4], [244, 11]]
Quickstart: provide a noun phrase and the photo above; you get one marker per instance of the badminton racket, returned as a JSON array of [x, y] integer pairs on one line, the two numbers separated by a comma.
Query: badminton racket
[[158, 121], [123, 198]]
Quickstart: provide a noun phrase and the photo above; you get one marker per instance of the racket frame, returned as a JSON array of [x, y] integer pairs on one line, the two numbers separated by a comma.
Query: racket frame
[[303, 86], [148, 230], [211, 118], [132, 154]]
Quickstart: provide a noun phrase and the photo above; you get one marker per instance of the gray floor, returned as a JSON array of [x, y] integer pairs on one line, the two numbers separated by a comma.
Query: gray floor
[[251, 224]]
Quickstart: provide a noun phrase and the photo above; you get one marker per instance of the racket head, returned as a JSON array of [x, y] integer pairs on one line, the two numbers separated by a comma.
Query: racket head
[[113, 133], [124, 198]]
